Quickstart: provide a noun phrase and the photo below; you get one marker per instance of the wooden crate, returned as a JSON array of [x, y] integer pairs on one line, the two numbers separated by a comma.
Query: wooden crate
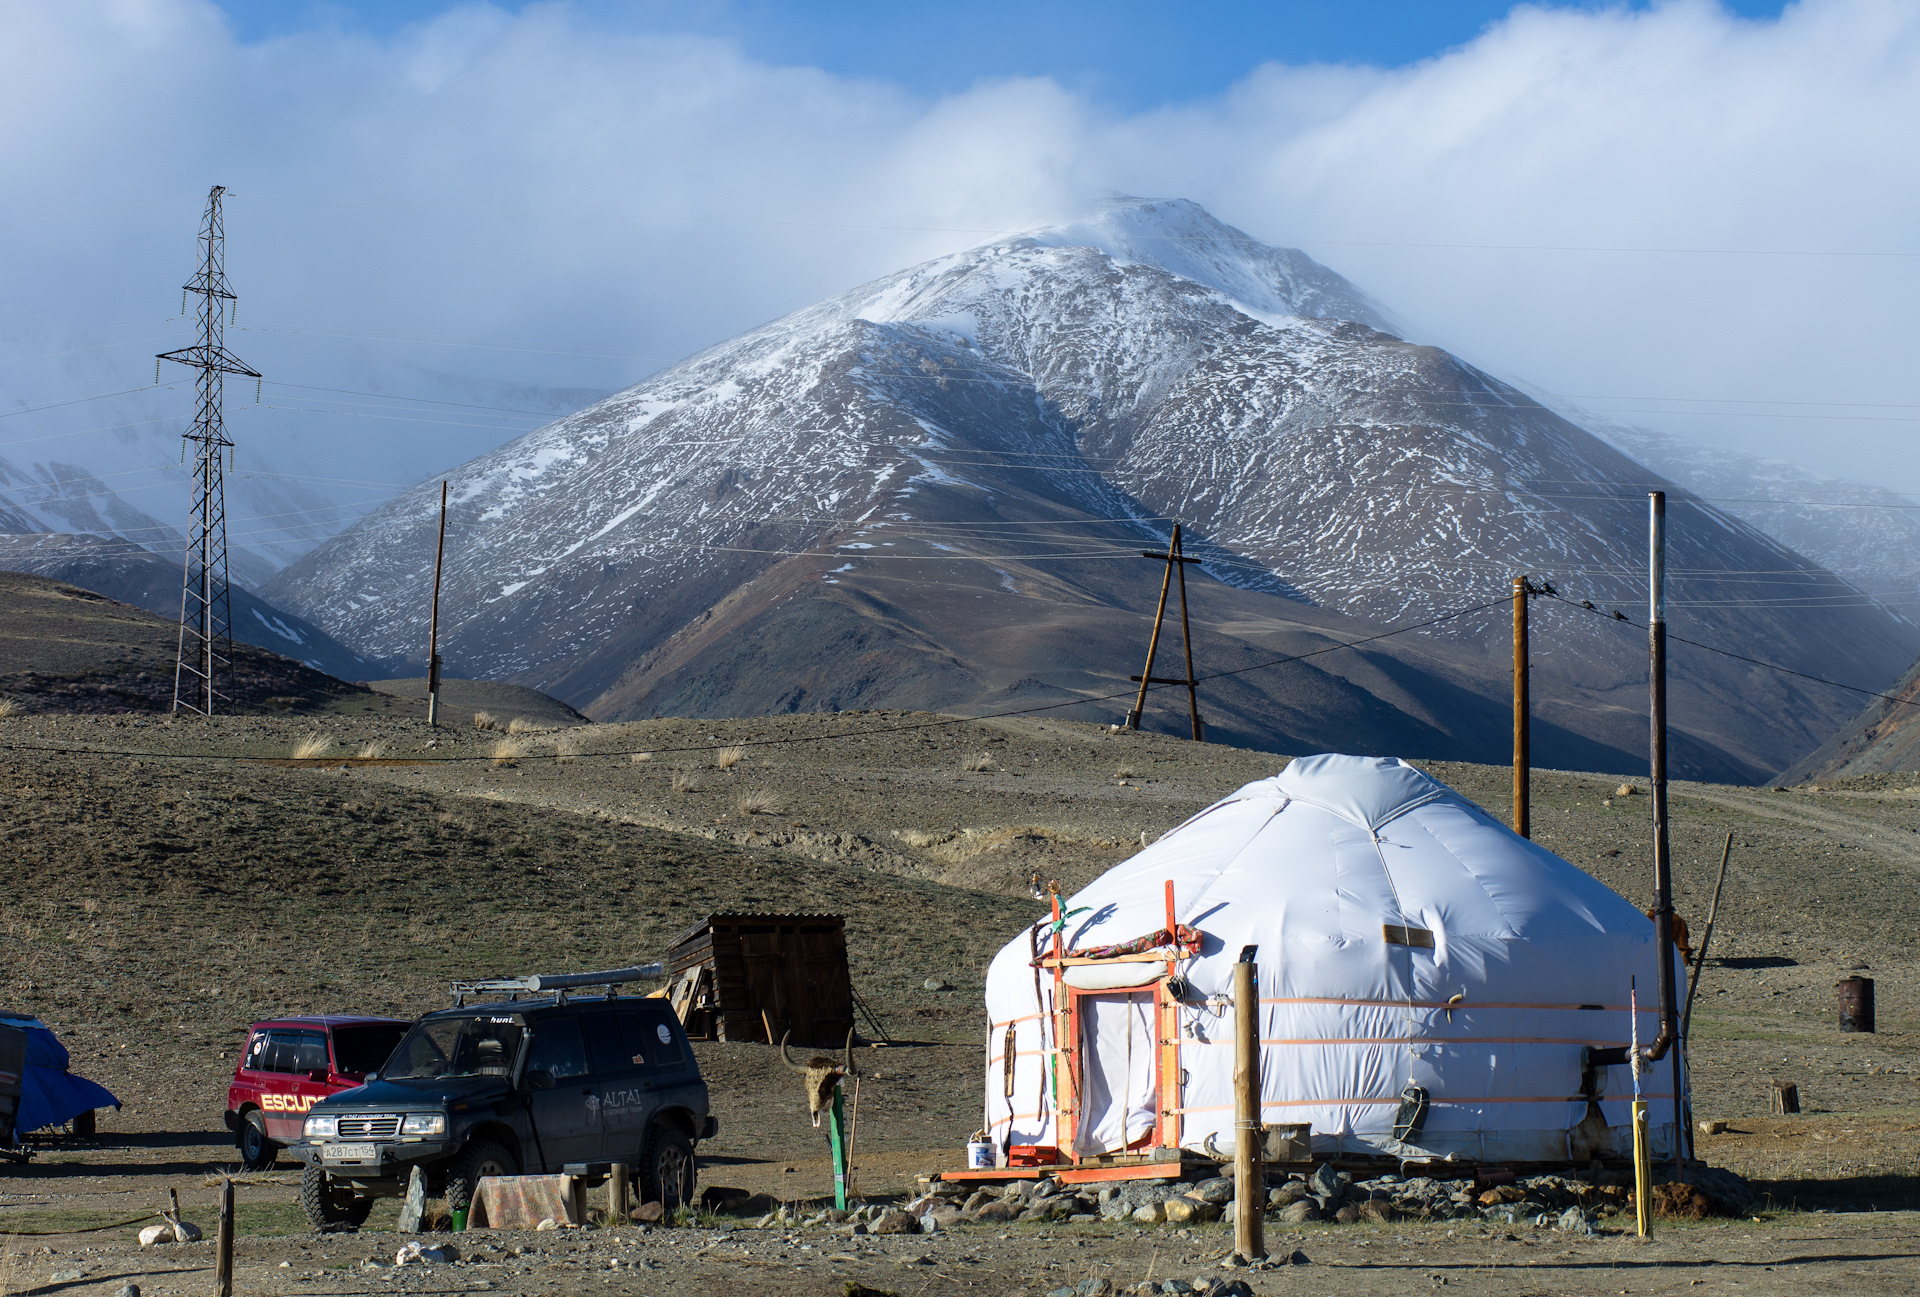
[[735, 976]]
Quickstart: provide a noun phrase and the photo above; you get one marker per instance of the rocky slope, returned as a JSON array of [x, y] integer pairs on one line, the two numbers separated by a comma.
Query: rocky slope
[[1883, 738], [127, 572], [932, 491]]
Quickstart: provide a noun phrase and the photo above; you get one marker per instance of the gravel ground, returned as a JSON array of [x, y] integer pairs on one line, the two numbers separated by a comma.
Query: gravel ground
[[159, 903]]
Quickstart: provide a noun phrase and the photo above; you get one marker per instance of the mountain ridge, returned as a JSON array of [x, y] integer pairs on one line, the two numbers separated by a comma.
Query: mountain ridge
[[1009, 425]]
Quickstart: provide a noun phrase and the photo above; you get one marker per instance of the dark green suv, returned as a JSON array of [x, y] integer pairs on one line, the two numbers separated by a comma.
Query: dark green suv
[[524, 1086]]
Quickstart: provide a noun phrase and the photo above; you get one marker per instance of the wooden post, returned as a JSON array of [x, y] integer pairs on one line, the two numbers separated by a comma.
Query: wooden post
[[1176, 557], [1522, 755], [853, 1130], [617, 1195], [1249, 1170], [1153, 641], [1176, 560], [1785, 1098], [223, 1253], [433, 619]]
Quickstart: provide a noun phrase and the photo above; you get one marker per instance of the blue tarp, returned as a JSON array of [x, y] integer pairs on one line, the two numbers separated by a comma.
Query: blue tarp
[[50, 1095]]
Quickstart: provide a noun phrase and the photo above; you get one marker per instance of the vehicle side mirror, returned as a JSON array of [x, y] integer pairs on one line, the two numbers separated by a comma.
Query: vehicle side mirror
[[539, 1080], [318, 1074]]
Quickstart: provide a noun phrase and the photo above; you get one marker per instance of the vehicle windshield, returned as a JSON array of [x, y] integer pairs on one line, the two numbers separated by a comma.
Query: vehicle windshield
[[361, 1049], [438, 1047]]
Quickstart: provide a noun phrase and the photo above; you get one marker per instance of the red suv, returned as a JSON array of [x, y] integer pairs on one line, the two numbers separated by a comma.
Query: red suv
[[290, 1064]]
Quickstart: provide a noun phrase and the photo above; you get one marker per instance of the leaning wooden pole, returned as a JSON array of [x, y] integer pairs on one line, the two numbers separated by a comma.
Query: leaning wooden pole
[[1249, 1168], [1522, 753], [433, 619], [1153, 642], [1176, 557]]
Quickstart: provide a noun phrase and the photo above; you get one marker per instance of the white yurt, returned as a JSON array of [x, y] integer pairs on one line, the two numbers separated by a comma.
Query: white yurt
[[1429, 983]]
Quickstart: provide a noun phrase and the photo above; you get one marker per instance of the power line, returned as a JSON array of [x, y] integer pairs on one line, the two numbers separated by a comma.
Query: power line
[[811, 738], [1727, 653], [97, 396]]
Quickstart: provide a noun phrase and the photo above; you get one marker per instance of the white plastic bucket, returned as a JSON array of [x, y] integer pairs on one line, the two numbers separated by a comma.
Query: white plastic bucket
[[979, 1155]]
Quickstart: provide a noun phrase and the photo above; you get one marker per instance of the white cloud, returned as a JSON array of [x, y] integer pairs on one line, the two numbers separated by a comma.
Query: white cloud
[[487, 174]]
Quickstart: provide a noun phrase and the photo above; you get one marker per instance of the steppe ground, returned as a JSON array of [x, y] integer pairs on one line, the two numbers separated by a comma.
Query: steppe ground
[[170, 882]]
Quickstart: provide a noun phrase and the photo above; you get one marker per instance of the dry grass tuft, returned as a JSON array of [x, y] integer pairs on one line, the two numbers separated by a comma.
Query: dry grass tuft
[[685, 780], [760, 801], [639, 757], [566, 748], [485, 721], [521, 725], [508, 752], [728, 758], [8, 707], [311, 747], [1124, 772], [373, 751], [977, 762]]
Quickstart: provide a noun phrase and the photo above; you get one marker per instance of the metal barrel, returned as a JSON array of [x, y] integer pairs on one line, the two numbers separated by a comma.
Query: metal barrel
[[1854, 998]]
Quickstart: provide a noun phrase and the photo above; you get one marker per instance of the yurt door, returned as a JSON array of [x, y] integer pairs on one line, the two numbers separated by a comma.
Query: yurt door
[[1118, 1104]]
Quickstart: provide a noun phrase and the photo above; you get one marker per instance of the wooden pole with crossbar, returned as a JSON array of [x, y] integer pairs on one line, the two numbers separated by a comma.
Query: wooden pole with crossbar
[[1176, 560]]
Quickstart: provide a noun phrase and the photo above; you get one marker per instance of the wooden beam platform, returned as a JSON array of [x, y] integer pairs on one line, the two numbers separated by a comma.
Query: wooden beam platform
[[1067, 1173]]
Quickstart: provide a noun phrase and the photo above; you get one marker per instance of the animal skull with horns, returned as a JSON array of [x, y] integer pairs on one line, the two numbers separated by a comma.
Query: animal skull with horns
[[822, 1073]]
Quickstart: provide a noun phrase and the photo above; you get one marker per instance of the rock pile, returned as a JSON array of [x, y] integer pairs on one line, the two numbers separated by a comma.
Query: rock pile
[[1565, 1202]]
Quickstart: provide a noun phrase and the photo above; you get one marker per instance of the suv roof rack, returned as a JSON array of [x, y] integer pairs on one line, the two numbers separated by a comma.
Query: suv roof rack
[[557, 983]]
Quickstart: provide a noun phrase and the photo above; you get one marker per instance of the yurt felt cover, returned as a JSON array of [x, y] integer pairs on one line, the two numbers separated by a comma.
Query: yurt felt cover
[[1315, 866]]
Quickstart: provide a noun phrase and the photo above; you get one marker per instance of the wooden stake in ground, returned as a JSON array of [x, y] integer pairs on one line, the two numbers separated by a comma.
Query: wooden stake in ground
[[853, 1128], [1176, 559], [617, 1194], [1522, 754], [1249, 1171], [223, 1253], [433, 619]]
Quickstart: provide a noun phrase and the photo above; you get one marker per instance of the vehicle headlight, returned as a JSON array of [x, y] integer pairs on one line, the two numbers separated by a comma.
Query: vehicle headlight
[[321, 1127], [424, 1123]]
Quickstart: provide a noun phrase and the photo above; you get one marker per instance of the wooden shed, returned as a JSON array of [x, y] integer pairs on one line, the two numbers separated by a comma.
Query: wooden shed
[[758, 976]]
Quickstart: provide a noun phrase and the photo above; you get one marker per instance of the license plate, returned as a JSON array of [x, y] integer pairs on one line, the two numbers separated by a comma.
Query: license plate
[[348, 1152]]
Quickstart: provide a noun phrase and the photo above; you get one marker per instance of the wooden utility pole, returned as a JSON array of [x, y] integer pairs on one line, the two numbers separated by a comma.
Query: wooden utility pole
[[1522, 754], [433, 619], [1249, 1165], [1176, 561], [1668, 1039]]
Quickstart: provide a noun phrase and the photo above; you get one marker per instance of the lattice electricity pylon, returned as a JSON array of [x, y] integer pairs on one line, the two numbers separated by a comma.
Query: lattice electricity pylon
[[205, 660]]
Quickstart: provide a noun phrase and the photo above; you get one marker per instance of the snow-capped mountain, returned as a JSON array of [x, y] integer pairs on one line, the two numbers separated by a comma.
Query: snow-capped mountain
[[1867, 535], [933, 488]]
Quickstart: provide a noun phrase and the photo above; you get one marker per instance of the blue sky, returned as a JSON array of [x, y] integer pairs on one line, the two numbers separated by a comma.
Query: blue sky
[[1127, 53]]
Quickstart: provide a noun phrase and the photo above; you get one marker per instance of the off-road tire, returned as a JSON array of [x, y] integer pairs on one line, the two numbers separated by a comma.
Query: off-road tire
[[257, 1152], [667, 1169], [480, 1158], [329, 1206], [85, 1124]]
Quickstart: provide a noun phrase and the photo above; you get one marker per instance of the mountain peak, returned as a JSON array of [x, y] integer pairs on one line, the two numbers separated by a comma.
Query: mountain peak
[[1183, 238]]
